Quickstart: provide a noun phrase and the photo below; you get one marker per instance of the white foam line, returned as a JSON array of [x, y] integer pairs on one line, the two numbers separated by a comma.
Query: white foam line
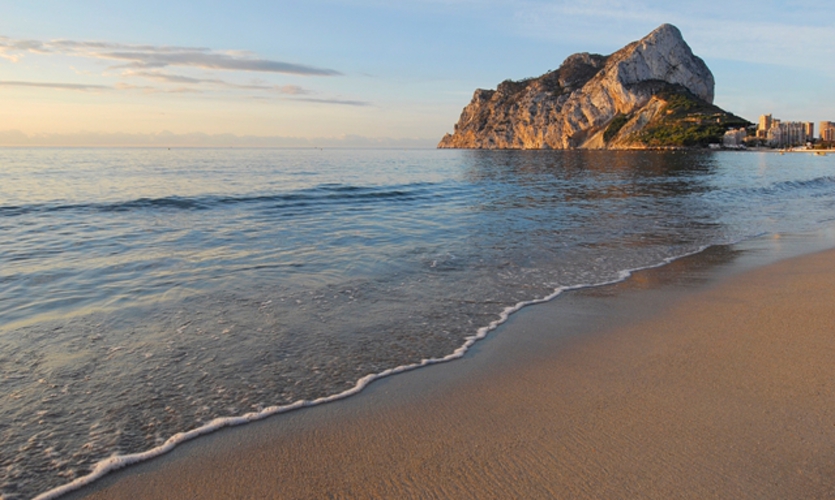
[[117, 462]]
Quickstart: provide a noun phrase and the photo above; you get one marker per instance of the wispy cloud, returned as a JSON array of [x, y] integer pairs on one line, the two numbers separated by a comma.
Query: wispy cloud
[[153, 56], [98, 88], [58, 86], [344, 102], [150, 69], [291, 90], [166, 78], [148, 89], [288, 90], [209, 60], [159, 76]]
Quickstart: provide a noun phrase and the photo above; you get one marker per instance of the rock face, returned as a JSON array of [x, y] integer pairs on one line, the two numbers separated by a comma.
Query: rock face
[[574, 106]]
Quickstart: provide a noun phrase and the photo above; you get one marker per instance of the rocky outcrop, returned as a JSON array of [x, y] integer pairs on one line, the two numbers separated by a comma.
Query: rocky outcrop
[[575, 105]]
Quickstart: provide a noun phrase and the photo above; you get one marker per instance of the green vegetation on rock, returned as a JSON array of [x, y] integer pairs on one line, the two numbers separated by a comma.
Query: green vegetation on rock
[[687, 121], [682, 135]]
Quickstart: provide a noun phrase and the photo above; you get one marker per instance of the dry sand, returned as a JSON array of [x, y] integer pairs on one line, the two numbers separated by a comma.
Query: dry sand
[[727, 391]]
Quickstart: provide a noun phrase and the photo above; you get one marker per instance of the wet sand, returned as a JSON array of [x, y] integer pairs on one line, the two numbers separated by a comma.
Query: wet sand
[[684, 382]]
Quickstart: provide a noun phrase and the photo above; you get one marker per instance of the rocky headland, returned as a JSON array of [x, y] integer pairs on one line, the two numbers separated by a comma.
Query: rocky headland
[[653, 93]]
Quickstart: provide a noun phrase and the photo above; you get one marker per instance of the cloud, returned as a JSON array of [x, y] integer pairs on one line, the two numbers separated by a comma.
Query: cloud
[[169, 78], [147, 89], [291, 90], [58, 86], [153, 56], [10, 49], [344, 102], [163, 77], [97, 88], [154, 64], [210, 60]]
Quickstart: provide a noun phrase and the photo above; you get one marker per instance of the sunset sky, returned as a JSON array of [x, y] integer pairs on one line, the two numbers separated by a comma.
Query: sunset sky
[[362, 72]]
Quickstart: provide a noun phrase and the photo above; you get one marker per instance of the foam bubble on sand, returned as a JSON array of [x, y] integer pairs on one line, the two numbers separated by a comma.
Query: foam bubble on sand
[[117, 462]]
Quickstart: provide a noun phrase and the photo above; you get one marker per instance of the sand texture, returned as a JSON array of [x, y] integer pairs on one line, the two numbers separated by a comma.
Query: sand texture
[[727, 392]]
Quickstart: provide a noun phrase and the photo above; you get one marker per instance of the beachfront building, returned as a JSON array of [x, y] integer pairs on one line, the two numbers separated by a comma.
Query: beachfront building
[[786, 134], [763, 126], [735, 138], [810, 131], [827, 131]]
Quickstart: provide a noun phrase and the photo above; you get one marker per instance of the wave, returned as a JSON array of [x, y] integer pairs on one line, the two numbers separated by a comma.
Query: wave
[[322, 195], [785, 187]]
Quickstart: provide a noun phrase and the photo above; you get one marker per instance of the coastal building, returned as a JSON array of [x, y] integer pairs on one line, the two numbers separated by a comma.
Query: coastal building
[[810, 131], [734, 138], [786, 134], [764, 126], [827, 131]]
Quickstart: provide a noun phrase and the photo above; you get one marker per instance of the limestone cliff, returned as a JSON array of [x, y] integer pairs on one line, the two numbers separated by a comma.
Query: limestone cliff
[[595, 101]]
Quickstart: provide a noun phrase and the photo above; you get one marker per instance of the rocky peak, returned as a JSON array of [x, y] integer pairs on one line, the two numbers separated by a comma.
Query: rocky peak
[[663, 55], [571, 106]]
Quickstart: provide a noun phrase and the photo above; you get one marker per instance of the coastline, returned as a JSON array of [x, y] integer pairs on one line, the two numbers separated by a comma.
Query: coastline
[[548, 401], [666, 148]]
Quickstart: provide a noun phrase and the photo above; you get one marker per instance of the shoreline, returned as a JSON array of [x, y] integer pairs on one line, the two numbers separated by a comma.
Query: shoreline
[[118, 462], [266, 450], [663, 148]]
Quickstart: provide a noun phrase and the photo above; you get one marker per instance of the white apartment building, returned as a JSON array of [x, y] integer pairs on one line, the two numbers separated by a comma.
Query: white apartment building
[[734, 138], [784, 134]]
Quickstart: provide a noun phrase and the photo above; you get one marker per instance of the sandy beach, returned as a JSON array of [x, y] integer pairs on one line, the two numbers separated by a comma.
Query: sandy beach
[[675, 384]]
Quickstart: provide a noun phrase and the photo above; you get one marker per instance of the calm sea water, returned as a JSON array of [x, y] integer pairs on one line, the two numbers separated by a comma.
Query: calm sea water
[[146, 292]]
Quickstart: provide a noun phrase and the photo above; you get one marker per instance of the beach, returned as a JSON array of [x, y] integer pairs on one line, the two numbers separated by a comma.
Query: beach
[[700, 379]]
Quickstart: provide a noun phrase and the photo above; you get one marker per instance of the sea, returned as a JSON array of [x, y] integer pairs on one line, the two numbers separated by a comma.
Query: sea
[[151, 295]]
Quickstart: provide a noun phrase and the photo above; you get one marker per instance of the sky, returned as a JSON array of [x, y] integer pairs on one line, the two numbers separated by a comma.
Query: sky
[[362, 72]]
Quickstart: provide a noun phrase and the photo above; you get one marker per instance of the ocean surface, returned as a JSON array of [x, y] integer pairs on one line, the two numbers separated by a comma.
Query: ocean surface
[[148, 292]]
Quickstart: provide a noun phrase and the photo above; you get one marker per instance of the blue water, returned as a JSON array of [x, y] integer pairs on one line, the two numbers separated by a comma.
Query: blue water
[[145, 292]]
